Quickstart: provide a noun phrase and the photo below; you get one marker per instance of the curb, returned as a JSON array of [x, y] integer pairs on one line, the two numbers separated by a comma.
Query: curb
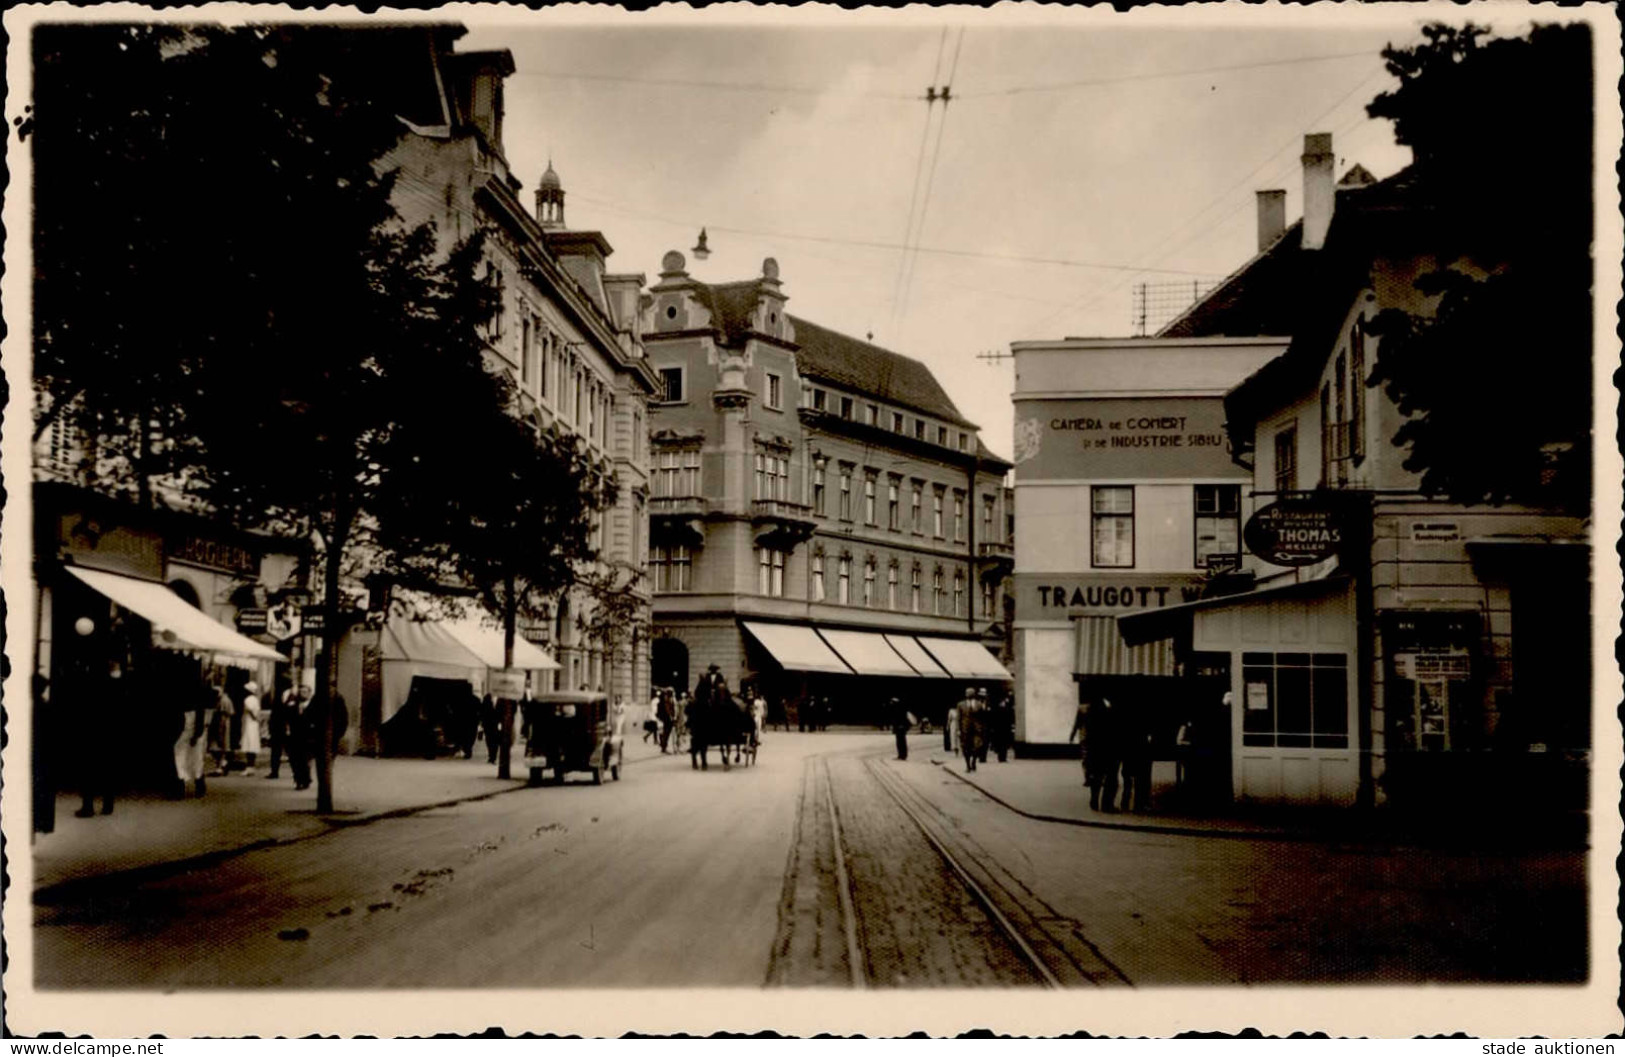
[[1389, 839], [65, 891], [1135, 827]]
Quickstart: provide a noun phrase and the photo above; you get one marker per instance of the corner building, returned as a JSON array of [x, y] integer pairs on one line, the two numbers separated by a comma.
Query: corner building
[[565, 332], [823, 519]]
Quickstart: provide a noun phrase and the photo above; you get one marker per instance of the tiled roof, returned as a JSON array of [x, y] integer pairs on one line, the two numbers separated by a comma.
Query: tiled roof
[[866, 368], [731, 305], [1261, 298], [834, 357]]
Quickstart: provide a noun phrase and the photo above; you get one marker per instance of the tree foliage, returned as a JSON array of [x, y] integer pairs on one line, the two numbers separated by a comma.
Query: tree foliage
[[1497, 381], [215, 234]]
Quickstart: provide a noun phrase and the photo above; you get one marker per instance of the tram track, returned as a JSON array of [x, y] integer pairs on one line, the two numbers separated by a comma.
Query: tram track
[[883, 889], [891, 784]]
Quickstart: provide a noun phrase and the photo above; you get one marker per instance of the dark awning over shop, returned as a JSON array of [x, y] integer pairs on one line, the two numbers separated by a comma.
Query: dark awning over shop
[[1102, 651]]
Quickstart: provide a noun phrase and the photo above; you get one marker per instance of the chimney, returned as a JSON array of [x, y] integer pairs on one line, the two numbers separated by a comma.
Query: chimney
[[1318, 193], [1271, 217]]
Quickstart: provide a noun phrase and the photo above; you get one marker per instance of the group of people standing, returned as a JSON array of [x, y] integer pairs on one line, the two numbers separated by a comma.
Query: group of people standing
[[1115, 741], [978, 725]]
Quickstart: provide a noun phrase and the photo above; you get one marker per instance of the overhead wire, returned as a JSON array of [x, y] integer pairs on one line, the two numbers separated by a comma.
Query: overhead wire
[[793, 89], [912, 256], [1158, 257], [1093, 82], [919, 163], [880, 244]]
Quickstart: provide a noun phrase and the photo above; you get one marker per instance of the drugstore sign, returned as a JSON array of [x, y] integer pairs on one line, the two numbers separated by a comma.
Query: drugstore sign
[[1294, 533]]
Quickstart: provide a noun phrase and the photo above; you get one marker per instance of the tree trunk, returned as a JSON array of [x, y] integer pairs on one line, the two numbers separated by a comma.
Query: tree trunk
[[510, 620], [327, 659]]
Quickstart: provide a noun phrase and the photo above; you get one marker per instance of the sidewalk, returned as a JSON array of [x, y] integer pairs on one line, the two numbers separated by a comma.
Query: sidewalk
[[1053, 791], [154, 835]]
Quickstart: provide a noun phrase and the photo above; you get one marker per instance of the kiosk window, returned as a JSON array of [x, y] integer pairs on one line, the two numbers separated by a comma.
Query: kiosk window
[[1295, 700]]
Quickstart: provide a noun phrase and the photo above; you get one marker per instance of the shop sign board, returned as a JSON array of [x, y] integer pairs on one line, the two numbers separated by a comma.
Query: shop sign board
[[1435, 532], [507, 684], [1431, 646], [1122, 438], [283, 621], [1298, 532], [251, 621], [1061, 596], [315, 620], [213, 554]]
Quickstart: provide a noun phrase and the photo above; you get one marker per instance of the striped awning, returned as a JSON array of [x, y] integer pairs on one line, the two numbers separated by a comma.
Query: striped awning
[[1102, 651]]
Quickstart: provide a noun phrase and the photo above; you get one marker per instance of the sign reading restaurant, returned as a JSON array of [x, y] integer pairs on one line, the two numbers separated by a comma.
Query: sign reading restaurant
[[1294, 532], [1122, 438]]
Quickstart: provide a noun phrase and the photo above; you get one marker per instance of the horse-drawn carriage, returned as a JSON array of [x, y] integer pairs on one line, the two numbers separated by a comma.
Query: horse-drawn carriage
[[718, 719]]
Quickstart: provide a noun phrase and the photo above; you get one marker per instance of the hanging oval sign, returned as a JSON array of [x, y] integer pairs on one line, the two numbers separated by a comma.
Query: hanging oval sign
[[1295, 533]]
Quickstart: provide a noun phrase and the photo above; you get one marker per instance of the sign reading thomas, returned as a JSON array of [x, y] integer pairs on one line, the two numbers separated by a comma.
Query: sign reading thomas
[[1294, 532]]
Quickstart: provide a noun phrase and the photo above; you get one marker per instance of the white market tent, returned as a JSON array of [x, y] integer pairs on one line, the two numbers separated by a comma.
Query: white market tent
[[445, 649]]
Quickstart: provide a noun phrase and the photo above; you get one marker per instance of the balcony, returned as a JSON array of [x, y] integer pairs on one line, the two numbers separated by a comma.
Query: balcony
[[678, 518], [677, 506], [781, 523], [995, 561]]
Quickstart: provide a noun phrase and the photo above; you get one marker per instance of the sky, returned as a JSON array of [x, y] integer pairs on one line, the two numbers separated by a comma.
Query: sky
[[1082, 153]]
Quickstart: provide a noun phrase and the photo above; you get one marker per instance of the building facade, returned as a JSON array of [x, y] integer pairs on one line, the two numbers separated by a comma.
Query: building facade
[[813, 497], [566, 332], [1384, 646], [1127, 500]]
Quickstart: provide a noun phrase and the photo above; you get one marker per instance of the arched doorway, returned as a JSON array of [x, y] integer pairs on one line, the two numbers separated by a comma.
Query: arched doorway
[[668, 663], [187, 593]]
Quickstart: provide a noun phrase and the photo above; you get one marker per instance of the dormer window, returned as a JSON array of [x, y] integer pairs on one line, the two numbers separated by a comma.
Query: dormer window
[[846, 407]]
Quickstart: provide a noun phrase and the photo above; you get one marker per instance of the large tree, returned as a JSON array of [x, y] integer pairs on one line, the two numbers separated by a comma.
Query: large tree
[[512, 523], [215, 235], [1496, 381]]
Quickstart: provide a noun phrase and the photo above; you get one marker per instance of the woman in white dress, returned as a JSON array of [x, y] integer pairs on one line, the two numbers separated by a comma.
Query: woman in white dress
[[251, 726]]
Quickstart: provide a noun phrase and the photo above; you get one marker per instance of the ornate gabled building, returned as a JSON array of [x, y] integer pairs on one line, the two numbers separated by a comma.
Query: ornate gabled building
[[824, 521]]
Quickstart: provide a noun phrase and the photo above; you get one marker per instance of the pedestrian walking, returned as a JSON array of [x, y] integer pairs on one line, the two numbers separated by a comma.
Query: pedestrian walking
[[1100, 747], [197, 700], [491, 721], [1136, 757], [1002, 720], [283, 710], [299, 741], [251, 727], [1078, 733], [950, 728], [902, 721], [983, 717], [696, 715], [105, 715], [758, 712], [1184, 746], [970, 730], [225, 707]]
